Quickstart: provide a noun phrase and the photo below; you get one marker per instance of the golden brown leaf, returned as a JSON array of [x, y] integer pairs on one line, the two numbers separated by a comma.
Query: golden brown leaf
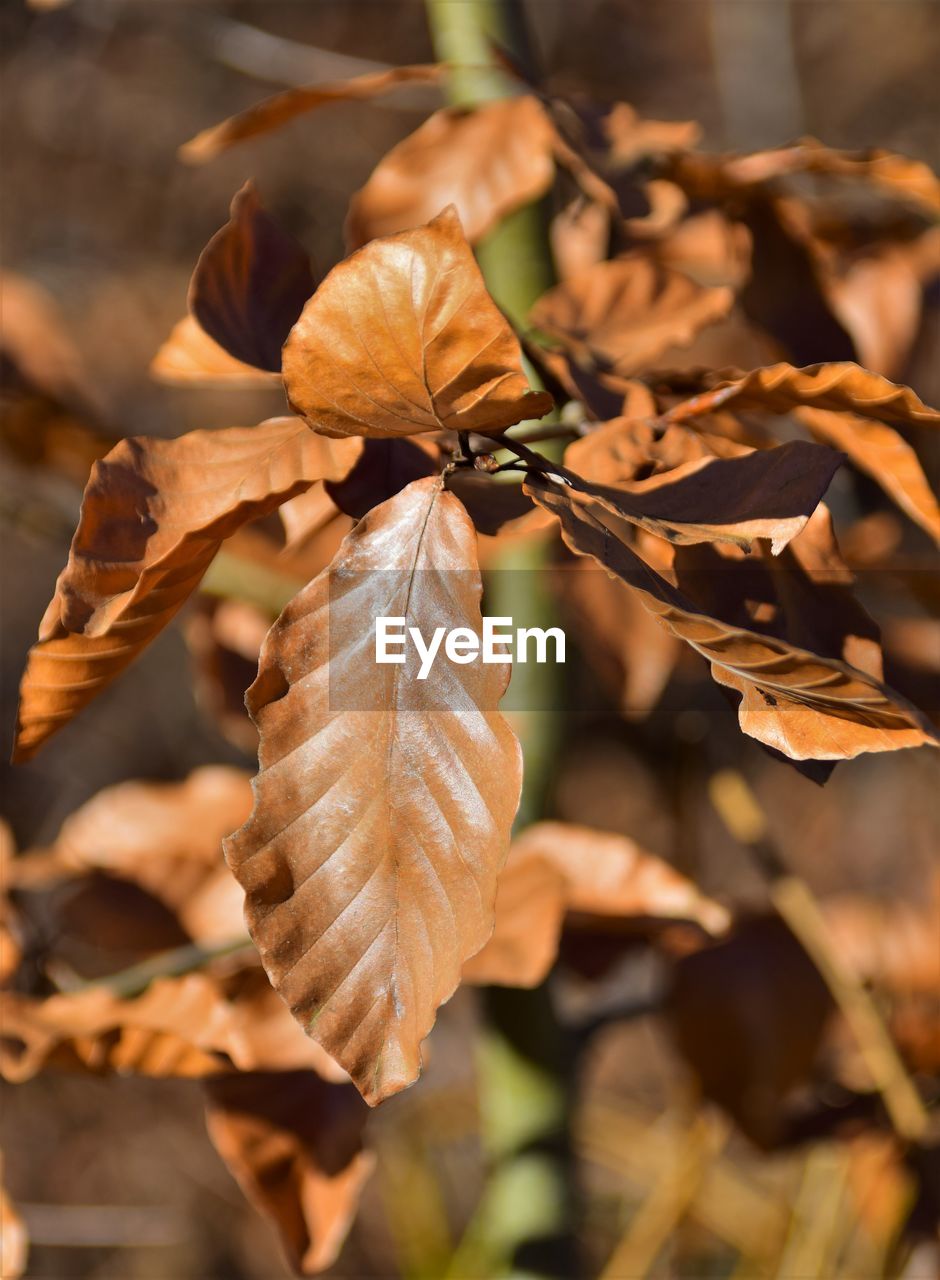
[[486, 161], [403, 338], [14, 1242], [631, 137], [274, 112], [189, 356], [384, 803], [805, 706], [623, 314], [293, 1143], [580, 235], [149, 528], [765, 493], [250, 284], [883, 454], [556, 868]]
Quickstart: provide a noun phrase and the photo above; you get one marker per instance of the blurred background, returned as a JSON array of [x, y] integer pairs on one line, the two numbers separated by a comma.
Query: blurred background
[[115, 1177]]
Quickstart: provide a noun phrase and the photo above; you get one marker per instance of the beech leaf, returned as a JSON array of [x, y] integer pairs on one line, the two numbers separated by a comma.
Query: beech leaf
[[149, 528], [384, 803], [805, 706], [293, 1143], [278, 110], [250, 284], [403, 338], [557, 868], [486, 161], [622, 315], [190, 356], [766, 493]]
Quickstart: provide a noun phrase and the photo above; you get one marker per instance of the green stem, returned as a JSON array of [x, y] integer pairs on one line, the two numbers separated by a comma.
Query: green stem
[[523, 1224]]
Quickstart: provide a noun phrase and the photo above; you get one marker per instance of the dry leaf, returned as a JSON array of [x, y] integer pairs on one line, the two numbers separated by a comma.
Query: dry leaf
[[766, 493], [293, 1143], [383, 469], [842, 387], [622, 315], [486, 161], [403, 338], [384, 803], [580, 235], [556, 868], [277, 111], [885, 455], [149, 528], [632, 138], [250, 284], [189, 356], [805, 706]]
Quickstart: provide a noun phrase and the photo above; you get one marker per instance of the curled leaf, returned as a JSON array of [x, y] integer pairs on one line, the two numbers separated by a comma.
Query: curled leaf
[[622, 315], [403, 338], [293, 1143], [250, 284], [150, 526], [485, 161], [384, 803], [278, 110], [806, 706]]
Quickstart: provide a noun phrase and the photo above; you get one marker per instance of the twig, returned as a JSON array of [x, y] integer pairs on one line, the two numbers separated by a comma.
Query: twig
[[167, 964], [742, 814]]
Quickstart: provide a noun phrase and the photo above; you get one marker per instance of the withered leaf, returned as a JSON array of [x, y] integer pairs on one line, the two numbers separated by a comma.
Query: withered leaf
[[403, 338], [14, 1241], [250, 284], [383, 469], [805, 706], [632, 137], [190, 356], [885, 455], [150, 526], [842, 387], [486, 161], [293, 1143], [384, 803], [274, 112], [766, 493], [622, 315], [557, 868]]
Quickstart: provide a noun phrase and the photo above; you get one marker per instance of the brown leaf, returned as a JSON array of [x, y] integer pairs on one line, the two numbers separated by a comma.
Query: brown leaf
[[383, 469], [842, 387], [403, 338], [224, 639], [877, 296], [556, 868], [632, 138], [384, 803], [766, 493], [293, 1143], [274, 112], [622, 315], [580, 235], [250, 284], [486, 161], [149, 528], [167, 837], [885, 455], [189, 356], [805, 706]]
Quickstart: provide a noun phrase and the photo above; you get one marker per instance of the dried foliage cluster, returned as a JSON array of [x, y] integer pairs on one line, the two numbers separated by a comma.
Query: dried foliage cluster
[[371, 850]]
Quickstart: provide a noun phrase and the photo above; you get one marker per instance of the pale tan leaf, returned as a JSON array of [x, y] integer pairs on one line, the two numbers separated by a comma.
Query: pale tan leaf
[[556, 868], [622, 315], [149, 528], [293, 1143], [486, 161], [384, 803], [403, 338], [274, 112], [190, 356], [885, 455], [805, 706]]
